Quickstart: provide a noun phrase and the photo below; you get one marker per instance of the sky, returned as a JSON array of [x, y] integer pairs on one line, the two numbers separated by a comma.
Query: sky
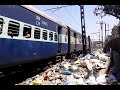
[[70, 16]]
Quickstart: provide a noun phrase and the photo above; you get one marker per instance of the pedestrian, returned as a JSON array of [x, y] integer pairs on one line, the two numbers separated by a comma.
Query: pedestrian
[[114, 47]]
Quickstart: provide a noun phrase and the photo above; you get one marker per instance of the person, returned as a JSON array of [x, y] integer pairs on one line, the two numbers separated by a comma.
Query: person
[[27, 35], [114, 47]]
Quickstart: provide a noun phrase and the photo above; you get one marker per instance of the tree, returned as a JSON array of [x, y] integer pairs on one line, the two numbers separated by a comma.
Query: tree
[[103, 10]]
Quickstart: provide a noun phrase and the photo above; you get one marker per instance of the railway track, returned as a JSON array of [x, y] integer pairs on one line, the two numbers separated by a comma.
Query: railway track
[[20, 73]]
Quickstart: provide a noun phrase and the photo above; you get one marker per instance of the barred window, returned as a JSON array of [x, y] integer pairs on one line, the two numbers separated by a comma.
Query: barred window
[[80, 40], [65, 38], [37, 33], [55, 37], [13, 28], [44, 35], [51, 36], [1, 25], [66, 33]]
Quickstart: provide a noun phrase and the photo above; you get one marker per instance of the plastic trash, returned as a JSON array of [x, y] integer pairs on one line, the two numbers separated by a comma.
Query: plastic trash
[[76, 76], [100, 65], [58, 81], [96, 53], [91, 80], [88, 56], [89, 65], [94, 60], [77, 62], [46, 83], [67, 66], [67, 73], [83, 71], [80, 81], [74, 68], [65, 82], [103, 57], [101, 79], [37, 81], [51, 78]]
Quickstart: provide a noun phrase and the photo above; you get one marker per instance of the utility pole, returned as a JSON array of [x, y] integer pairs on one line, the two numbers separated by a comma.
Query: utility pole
[[98, 36], [89, 44], [83, 29], [101, 26], [108, 28], [105, 30]]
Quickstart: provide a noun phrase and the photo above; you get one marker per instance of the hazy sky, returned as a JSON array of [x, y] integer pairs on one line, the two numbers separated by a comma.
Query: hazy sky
[[70, 16]]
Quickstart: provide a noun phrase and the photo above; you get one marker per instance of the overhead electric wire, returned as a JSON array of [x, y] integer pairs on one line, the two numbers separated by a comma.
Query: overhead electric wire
[[60, 17], [71, 16], [56, 8]]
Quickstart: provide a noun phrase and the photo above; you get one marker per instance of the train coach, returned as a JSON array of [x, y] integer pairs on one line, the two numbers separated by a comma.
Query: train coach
[[47, 37]]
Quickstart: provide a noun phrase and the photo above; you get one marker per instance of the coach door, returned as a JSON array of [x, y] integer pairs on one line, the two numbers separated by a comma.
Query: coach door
[[59, 38], [75, 36]]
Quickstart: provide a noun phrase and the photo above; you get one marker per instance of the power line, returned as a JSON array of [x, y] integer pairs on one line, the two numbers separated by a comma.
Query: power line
[[68, 18], [60, 18], [71, 16], [57, 8], [67, 12]]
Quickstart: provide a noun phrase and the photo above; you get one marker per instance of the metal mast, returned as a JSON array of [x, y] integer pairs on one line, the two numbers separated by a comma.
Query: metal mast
[[83, 29]]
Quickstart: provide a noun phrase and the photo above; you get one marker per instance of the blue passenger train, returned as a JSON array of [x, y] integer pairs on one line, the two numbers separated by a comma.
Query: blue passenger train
[[47, 37]]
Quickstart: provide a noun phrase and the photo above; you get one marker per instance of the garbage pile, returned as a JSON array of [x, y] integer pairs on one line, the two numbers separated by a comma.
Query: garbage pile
[[88, 70]]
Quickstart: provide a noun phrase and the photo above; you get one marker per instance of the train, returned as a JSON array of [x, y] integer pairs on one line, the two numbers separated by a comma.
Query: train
[[47, 36]]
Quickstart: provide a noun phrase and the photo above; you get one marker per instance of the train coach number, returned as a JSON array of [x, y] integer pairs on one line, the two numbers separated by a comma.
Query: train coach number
[[38, 18], [37, 23]]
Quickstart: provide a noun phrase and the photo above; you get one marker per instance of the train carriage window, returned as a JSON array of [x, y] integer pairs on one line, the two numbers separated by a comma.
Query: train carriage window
[[51, 36], [55, 37], [1, 25], [66, 33], [27, 31], [66, 36], [44, 35], [78, 36], [80, 40], [37, 33], [13, 28]]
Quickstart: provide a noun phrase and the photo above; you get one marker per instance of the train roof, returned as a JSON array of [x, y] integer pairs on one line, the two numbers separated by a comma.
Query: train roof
[[37, 11], [74, 30]]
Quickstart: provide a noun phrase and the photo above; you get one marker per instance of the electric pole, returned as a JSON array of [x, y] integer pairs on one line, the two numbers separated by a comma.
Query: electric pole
[[98, 36], [83, 29], [105, 30], [89, 44], [101, 26]]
